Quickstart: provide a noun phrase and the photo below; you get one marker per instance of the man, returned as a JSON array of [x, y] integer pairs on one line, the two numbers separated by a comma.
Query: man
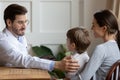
[[13, 45]]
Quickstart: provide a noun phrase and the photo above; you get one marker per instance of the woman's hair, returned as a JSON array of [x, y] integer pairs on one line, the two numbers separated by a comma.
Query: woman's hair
[[12, 10], [108, 19], [79, 36]]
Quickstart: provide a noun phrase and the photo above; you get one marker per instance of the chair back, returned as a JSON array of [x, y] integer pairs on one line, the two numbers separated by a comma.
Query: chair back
[[114, 72]]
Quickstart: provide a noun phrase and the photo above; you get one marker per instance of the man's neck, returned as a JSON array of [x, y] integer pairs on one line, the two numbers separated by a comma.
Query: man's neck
[[13, 33]]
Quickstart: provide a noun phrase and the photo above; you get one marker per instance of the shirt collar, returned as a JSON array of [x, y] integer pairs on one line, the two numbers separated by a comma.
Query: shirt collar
[[9, 33]]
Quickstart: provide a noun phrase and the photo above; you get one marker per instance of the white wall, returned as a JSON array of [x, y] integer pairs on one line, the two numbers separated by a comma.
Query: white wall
[[87, 9]]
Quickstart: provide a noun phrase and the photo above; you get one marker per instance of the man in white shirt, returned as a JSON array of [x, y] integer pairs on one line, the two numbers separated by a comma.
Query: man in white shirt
[[13, 45]]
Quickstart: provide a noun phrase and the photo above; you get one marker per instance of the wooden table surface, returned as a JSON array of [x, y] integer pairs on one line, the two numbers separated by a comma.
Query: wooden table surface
[[7, 73]]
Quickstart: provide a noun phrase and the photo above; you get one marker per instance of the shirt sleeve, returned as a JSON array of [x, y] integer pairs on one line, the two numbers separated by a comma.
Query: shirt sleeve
[[10, 55], [52, 65], [93, 64]]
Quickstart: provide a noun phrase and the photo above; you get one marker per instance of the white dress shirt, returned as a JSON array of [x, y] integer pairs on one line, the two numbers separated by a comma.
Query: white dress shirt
[[15, 54]]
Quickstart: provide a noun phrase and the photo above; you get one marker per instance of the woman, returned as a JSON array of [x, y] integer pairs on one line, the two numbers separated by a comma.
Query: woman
[[104, 26]]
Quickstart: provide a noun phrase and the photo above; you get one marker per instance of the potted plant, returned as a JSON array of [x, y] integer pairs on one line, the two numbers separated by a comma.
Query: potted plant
[[45, 52]]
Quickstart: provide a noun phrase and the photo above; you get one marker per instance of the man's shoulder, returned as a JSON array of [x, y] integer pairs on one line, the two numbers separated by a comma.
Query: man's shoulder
[[2, 35]]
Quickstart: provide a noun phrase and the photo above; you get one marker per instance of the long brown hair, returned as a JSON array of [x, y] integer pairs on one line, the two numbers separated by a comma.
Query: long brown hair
[[107, 18]]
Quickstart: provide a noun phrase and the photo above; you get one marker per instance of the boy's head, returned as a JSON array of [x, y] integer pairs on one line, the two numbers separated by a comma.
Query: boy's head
[[78, 39]]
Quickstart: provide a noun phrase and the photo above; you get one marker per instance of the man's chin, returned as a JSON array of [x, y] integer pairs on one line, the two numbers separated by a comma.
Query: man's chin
[[21, 34]]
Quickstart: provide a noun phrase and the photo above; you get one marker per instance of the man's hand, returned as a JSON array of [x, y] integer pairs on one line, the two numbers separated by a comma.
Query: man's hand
[[67, 64]]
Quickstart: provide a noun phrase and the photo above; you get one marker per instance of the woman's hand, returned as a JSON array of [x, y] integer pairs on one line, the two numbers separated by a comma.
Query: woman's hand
[[67, 64]]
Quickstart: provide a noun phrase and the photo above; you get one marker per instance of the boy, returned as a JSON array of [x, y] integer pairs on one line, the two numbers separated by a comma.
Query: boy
[[78, 41]]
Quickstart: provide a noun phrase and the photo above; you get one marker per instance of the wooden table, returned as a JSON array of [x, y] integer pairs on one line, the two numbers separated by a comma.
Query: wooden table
[[7, 73]]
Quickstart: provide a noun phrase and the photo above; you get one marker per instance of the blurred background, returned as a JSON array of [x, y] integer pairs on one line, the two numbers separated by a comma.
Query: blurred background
[[50, 19]]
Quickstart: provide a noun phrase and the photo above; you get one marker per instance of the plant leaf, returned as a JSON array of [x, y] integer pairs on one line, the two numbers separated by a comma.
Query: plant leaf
[[60, 56], [59, 73], [42, 51]]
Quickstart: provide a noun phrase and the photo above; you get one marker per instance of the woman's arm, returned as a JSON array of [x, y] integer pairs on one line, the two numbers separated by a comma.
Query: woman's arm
[[94, 63]]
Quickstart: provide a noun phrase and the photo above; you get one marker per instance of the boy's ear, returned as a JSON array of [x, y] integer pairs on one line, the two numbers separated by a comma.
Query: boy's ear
[[73, 45]]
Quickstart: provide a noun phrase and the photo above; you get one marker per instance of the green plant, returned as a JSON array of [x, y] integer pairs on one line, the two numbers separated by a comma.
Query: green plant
[[45, 52]]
